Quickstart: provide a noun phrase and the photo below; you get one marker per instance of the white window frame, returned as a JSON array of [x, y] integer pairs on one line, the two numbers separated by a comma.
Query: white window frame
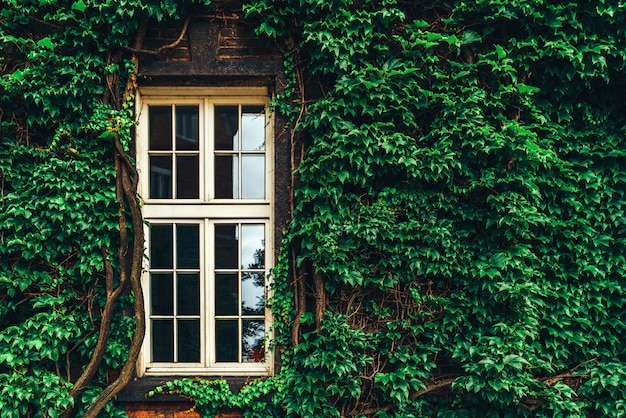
[[206, 211]]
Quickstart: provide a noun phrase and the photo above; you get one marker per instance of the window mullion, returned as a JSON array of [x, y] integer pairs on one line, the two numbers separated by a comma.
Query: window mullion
[[239, 151], [174, 286], [209, 290], [207, 147]]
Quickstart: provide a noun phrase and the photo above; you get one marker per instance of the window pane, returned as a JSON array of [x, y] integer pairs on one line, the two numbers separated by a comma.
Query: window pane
[[187, 128], [189, 341], [162, 294], [226, 177], [252, 246], [253, 176], [226, 294], [226, 246], [252, 341], [160, 127], [252, 293], [161, 246], [162, 340], [226, 127], [188, 246], [160, 177], [227, 341], [187, 176], [253, 128], [188, 294]]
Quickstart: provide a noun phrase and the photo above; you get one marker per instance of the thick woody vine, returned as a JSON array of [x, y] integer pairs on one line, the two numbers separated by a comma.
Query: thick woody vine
[[72, 235], [457, 238]]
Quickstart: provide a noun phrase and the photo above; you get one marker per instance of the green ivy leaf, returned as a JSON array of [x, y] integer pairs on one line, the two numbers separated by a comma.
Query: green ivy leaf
[[79, 5]]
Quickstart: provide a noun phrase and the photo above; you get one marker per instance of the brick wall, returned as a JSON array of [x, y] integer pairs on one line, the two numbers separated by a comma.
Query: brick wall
[[169, 410]]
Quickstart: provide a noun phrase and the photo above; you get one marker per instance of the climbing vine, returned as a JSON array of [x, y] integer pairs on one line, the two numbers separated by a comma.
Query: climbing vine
[[71, 241], [457, 239]]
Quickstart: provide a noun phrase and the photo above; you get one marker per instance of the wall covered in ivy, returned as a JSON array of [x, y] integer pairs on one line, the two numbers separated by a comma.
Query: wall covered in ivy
[[457, 241]]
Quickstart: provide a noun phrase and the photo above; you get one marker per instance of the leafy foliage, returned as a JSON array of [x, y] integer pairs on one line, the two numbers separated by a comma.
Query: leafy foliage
[[457, 241], [460, 198], [61, 106]]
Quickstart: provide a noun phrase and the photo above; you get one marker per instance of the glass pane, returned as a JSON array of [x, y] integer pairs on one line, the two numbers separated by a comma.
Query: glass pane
[[226, 246], [226, 177], [226, 292], [227, 337], [188, 246], [188, 293], [252, 341], [252, 293], [226, 127], [161, 246], [187, 176], [160, 177], [187, 128], [162, 340], [189, 341], [162, 294], [252, 128], [160, 127], [253, 176], [252, 246]]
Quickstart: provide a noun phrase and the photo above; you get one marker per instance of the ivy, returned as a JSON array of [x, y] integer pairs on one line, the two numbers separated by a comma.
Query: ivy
[[457, 238], [66, 225], [459, 200]]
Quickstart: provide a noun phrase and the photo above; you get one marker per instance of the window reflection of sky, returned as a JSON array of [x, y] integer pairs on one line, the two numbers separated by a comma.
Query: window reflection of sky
[[252, 240], [253, 177]]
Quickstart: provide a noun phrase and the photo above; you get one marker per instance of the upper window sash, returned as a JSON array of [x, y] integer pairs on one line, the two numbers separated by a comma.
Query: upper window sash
[[180, 138]]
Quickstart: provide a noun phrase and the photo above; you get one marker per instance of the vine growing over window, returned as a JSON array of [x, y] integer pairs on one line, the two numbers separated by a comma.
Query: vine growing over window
[[71, 235], [457, 240]]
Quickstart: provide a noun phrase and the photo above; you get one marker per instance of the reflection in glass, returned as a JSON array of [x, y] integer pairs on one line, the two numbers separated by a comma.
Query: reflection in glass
[[161, 251], [226, 292], [188, 341], [252, 293], [252, 246], [160, 177], [162, 340], [188, 293], [252, 128], [188, 246], [187, 176], [253, 176], [227, 335], [187, 128], [160, 127], [226, 246], [226, 128], [162, 294], [252, 341]]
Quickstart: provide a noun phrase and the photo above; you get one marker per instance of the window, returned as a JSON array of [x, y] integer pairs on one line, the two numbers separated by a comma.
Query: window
[[204, 158]]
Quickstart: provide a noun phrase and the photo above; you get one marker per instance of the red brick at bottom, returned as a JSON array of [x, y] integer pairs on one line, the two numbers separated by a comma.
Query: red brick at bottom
[[169, 410]]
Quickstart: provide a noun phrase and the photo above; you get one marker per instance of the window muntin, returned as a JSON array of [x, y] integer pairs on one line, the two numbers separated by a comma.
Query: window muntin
[[174, 152], [239, 152], [205, 185], [174, 311], [239, 296]]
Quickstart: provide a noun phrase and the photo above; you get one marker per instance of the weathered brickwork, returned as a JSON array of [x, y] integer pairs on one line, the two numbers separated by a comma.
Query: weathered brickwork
[[169, 410]]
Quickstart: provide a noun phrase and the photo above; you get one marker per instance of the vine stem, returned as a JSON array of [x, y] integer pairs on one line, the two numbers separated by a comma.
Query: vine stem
[[134, 277], [126, 185], [299, 274]]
